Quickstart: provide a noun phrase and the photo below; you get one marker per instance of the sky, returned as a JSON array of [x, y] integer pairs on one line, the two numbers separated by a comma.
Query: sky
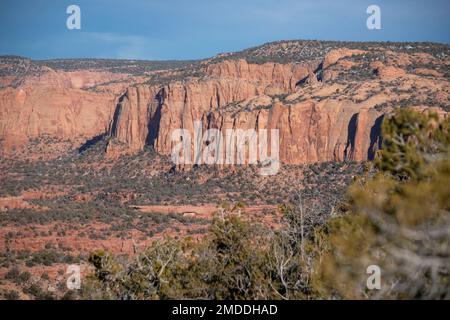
[[195, 29]]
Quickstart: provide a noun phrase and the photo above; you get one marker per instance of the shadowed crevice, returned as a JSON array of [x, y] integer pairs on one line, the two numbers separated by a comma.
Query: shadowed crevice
[[154, 123], [375, 138], [318, 73], [351, 136]]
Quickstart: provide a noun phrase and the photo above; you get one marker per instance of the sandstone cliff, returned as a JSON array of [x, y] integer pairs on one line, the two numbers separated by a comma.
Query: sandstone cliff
[[69, 114], [328, 105], [315, 123]]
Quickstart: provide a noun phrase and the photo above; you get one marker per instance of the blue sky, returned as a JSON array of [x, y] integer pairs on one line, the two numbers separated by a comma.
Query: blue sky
[[191, 29]]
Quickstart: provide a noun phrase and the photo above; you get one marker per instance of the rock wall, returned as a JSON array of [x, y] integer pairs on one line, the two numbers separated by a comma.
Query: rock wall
[[53, 105], [320, 114], [310, 131]]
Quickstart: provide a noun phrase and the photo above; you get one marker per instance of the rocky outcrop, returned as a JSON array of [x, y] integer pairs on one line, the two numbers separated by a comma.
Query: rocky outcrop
[[148, 115], [310, 131], [337, 54], [282, 76], [328, 106], [28, 113], [134, 118], [54, 105]]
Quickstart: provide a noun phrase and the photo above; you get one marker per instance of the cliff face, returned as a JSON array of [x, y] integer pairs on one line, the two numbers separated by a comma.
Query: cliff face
[[309, 131], [326, 109], [54, 105], [327, 106], [69, 114], [135, 117]]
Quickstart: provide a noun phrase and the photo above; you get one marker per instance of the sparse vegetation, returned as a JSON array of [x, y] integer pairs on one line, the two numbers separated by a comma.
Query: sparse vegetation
[[395, 219]]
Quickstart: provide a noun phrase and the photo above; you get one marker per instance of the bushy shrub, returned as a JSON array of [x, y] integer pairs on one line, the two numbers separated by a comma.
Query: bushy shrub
[[398, 220], [235, 260], [412, 141]]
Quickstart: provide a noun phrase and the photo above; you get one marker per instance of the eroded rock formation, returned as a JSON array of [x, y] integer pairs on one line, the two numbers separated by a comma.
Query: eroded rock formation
[[326, 108]]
